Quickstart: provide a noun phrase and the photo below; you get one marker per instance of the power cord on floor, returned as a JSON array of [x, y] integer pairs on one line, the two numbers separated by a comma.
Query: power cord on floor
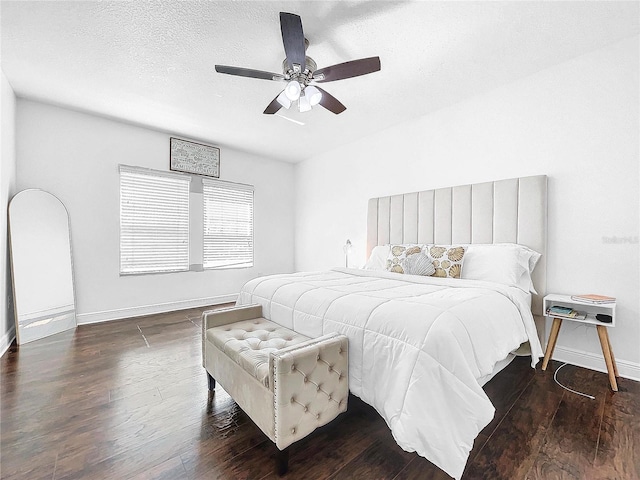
[[555, 378]]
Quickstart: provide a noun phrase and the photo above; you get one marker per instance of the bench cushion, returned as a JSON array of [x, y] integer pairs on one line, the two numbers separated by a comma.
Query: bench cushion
[[250, 342]]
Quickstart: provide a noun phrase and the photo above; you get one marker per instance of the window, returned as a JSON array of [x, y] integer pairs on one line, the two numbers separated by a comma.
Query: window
[[228, 224], [154, 221]]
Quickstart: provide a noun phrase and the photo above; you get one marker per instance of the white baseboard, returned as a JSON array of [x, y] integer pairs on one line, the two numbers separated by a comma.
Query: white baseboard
[[594, 361], [120, 313], [7, 340]]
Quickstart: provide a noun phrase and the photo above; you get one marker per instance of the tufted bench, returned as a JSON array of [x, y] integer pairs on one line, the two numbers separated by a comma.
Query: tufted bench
[[287, 383]]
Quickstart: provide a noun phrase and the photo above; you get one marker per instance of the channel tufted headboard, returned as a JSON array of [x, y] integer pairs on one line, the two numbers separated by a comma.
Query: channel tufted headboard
[[504, 211]]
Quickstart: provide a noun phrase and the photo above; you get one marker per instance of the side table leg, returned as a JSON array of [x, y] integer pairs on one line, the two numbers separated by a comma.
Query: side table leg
[[606, 351], [551, 344], [613, 358]]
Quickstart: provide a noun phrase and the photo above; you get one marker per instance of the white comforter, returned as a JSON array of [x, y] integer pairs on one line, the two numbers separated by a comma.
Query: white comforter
[[417, 346]]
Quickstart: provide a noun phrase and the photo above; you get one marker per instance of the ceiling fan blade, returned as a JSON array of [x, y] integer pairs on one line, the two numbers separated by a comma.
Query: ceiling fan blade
[[293, 39], [354, 68], [273, 107], [330, 102], [247, 72]]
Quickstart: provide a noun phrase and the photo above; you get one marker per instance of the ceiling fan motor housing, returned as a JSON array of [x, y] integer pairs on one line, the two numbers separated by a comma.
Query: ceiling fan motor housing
[[304, 76]]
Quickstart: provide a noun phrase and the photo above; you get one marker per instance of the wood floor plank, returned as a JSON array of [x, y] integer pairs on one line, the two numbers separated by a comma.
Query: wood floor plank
[[129, 400], [157, 378], [505, 389], [380, 460], [131, 463], [251, 464], [83, 463], [171, 469], [569, 446], [419, 469], [513, 446], [126, 428], [21, 466], [619, 439]]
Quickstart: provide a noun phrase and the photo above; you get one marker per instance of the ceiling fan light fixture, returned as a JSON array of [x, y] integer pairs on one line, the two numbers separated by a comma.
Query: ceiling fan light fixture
[[304, 105], [313, 94], [292, 90], [284, 100]]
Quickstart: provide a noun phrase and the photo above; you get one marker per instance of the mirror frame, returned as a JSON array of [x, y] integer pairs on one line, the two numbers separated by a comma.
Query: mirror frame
[[16, 301]]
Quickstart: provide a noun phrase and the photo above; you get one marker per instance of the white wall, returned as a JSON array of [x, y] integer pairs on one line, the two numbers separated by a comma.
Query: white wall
[[7, 189], [75, 156], [576, 122]]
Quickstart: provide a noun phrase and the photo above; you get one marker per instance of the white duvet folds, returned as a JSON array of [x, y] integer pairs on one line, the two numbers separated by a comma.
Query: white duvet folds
[[417, 346]]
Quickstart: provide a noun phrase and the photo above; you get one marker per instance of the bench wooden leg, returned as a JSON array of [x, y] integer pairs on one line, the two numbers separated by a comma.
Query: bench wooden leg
[[282, 461], [212, 389]]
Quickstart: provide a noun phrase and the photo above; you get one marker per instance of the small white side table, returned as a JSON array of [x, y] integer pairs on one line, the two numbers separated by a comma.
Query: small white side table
[[591, 310]]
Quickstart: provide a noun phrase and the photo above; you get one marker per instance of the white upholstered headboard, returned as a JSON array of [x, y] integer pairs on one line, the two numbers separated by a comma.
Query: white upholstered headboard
[[504, 211]]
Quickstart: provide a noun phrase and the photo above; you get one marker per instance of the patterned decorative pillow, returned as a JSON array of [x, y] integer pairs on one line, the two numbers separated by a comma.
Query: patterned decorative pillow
[[446, 259], [418, 264], [398, 254]]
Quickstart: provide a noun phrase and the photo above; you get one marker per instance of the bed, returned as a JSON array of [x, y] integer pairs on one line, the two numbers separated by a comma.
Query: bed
[[420, 346]]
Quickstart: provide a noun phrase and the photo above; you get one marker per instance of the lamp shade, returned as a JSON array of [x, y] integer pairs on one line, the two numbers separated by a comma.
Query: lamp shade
[[313, 94], [283, 100], [303, 103], [292, 90]]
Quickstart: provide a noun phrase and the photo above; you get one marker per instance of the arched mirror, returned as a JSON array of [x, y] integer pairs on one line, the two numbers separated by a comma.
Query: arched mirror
[[41, 265]]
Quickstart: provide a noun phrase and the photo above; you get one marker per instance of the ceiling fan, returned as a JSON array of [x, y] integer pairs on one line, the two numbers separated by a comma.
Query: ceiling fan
[[301, 73]]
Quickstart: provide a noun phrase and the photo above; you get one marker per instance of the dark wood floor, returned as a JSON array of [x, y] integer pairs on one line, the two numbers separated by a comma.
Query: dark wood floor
[[128, 400]]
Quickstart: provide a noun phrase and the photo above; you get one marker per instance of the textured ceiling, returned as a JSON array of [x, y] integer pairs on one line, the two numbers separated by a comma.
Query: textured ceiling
[[153, 63]]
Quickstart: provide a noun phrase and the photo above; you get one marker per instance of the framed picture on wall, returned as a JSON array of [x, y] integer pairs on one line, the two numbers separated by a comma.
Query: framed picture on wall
[[191, 157]]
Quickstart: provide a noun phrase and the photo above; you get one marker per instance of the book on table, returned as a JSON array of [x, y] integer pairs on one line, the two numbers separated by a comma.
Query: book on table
[[565, 312], [560, 310], [593, 298]]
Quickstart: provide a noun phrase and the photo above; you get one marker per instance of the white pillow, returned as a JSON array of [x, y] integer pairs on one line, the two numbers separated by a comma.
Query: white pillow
[[378, 258], [505, 263]]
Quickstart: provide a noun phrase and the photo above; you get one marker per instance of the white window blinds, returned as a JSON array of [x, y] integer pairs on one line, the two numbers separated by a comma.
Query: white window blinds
[[154, 221], [228, 224]]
